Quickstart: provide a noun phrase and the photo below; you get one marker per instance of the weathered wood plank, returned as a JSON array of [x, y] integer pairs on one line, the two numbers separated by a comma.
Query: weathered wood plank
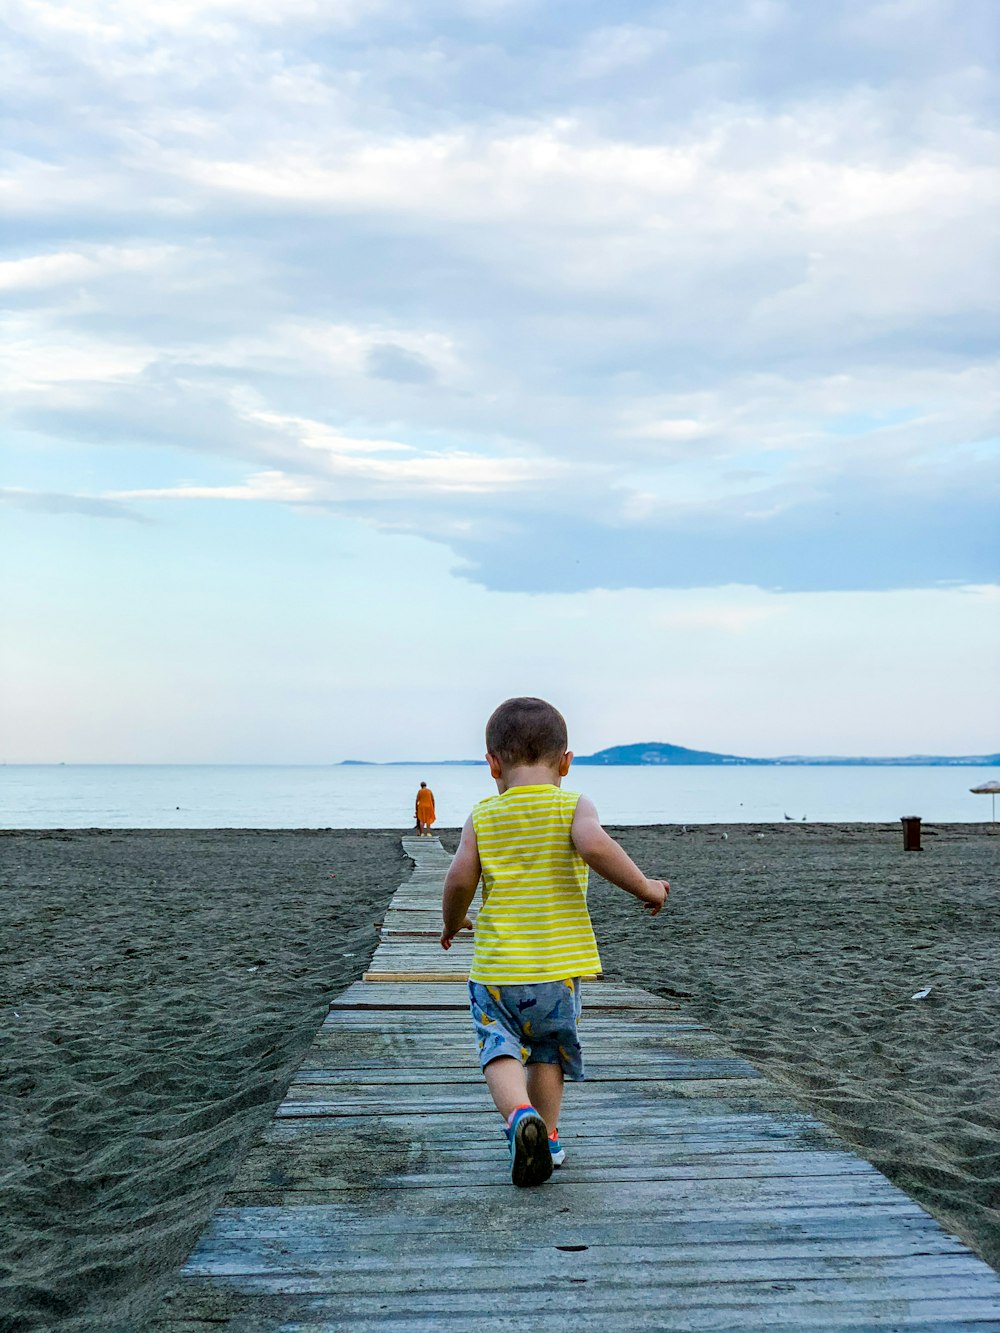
[[322, 1172], [298, 1165], [597, 1026], [669, 1131], [317, 1253], [642, 1067], [887, 1298], [619, 1266], [925, 1317], [660, 1197], [457, 1098], [445, 1035], [452, 994], [407, 976], [354, 1219]]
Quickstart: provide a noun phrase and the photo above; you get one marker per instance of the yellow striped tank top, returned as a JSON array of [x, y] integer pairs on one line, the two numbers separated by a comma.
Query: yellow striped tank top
[[533, 925]]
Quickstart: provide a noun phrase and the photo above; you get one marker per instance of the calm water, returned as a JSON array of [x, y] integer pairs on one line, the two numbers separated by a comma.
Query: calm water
[[205, 796]]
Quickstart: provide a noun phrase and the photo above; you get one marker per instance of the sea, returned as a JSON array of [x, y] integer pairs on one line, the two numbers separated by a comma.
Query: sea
[[148, 796]]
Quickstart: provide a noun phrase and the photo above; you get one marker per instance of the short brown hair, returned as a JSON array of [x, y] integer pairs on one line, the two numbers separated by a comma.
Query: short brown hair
[[526, 731]]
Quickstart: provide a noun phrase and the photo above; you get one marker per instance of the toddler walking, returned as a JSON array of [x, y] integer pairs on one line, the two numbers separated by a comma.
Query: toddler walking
[[531, 845]]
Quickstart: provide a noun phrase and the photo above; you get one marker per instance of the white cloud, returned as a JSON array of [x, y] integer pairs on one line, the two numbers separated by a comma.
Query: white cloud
[[729, 620], [622, 46], [343, 473], [316, 435], [121, 23], [38, 356], [83, 266], [320, 347], [669, 429], [373, 264]]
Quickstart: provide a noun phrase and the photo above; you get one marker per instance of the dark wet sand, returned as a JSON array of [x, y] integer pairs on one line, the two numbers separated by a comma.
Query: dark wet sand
[[157, 990]]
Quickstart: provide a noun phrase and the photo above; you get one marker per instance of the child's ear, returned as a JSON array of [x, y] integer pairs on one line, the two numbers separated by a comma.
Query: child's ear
[[565, 762], [496, 768]]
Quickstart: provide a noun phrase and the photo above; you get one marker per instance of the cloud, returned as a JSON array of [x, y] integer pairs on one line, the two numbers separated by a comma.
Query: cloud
[[837, 543], [387, 361], [51, 502], [707, 294], [85, 266]]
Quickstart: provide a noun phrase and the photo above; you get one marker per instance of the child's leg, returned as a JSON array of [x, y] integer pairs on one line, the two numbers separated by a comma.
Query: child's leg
[[545, 1092], [508, 1086]]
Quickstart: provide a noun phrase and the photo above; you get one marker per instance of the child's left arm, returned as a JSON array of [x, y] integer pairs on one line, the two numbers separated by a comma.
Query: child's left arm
[[603, 854], [460, 886]]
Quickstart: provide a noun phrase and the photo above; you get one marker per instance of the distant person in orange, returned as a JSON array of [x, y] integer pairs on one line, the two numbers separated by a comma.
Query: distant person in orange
[[425, 810]]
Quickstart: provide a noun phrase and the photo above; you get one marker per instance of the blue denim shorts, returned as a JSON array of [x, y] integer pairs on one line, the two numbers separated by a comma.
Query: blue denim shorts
[[535, 1024]]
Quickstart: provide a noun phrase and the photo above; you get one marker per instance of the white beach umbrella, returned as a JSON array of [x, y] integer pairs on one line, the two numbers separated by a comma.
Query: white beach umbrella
[[988, 789]]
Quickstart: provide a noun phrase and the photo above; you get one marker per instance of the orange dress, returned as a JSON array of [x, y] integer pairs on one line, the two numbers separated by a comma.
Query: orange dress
[[425, 806]]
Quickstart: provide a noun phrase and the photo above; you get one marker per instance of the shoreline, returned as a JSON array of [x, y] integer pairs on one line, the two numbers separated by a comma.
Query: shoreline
[[933, 827], [166, 984]]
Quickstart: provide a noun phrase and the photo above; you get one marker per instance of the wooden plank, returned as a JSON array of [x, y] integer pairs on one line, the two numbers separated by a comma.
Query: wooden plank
[[415, 1035], [353, 1220], [361, 994], [422, 977], [895, 1301], [660, 1272], [428, 917], [669, 1131], [647, 1069], [269, 1171], [426, 960], [452, 994], [296, 1163], [459, 1097], [421, 955], [885, 1239], [312, 1316], [356, 1048], [888, 1278], [660, 1197], [397, 932], [334, 1055], [666, 1138]]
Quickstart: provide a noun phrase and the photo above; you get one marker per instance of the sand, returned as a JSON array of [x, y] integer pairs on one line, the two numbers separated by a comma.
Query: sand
[[157, 989]]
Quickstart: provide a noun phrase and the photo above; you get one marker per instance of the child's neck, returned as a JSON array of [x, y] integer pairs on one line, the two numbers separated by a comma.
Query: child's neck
[[528, 775]]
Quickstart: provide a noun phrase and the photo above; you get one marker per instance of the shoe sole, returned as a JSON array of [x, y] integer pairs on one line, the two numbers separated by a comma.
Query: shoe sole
[[532, 1164]]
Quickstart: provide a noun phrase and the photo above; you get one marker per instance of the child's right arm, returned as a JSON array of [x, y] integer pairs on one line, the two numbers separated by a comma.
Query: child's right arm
[[603, 854], [460, 886]]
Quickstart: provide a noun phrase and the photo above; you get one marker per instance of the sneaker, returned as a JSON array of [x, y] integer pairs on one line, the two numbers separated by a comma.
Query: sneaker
[[556, 1149], [530, 1158]]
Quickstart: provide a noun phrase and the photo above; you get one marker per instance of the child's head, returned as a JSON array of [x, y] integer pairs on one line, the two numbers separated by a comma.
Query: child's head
[[527, 732]]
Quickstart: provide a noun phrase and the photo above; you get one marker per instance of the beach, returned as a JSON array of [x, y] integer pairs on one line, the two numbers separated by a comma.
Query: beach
[[158, 989]]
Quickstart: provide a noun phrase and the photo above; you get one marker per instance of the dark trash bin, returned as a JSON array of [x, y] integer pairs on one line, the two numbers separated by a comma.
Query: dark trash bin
[[911, 833]]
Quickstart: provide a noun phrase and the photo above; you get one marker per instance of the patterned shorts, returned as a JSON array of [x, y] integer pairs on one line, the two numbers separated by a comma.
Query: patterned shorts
[[535, 1024]]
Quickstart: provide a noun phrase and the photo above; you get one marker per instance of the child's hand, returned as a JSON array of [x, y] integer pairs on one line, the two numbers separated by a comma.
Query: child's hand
[[656, 897], [447, 936]]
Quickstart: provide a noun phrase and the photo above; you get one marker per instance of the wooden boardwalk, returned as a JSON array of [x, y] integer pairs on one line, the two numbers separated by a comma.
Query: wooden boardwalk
[[695, 1194]]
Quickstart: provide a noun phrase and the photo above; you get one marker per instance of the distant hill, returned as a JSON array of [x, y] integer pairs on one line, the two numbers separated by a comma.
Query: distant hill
[[658, 753]]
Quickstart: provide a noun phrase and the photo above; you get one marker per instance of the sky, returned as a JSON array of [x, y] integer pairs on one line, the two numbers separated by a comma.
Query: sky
[[366, 364]]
